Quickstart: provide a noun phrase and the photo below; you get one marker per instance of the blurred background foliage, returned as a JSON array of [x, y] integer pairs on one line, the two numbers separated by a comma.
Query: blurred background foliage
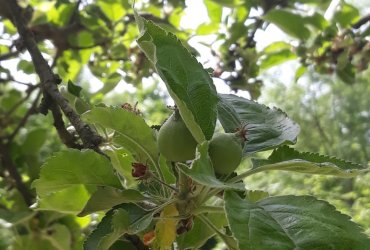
[[334, 120], [309, 58]]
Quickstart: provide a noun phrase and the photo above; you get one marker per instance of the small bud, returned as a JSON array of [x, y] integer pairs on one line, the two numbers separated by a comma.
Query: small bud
[[148, 238], [185, 225], [131, 108], [140, 171]]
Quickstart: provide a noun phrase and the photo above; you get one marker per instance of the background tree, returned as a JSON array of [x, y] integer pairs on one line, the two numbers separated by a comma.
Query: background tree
[[334, 114], [90, 43]]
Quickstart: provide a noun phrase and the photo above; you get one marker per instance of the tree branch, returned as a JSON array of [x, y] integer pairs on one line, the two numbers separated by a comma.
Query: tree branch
[[250, 41], [361, 22], [49, 82], [9, 55], [67, 138]]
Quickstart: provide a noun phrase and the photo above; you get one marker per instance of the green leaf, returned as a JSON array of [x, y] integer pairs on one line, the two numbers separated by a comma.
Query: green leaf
[[272, 59], [69, 200], [288, 159], [110, 83], [229, 3], [207, 28], [63, 14], [4, 49], [26, 66], [59, 236], [113, 10], [299, 72], [323, 4], [202, 171], [317, 21], [168, 174], [291, 222], [72, 167], [292, 24], [267, 128], [9, 99], [10, 218], [121, 161], [131, 132], [81, 106], [347, 74], [346, 15], [188, 83], [31, 242], [277, 46], [214, 11], [9, 27], [107, 197], [125, 218], [34, 141], [200, 233], [256, 195], [83, 39], [74, 89], [71, 62], [119, 223], [103, 229]]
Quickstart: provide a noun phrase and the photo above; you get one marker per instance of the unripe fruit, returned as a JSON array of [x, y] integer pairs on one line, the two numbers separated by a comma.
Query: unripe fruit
[[225, 151], [175, 142]]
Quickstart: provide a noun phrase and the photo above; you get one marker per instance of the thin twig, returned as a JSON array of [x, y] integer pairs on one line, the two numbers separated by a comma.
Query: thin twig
[[23, 83], [9, 55], [8, 164], [31, 110], [67, 138], [15, 107], [10, 79], [250, 41], [361, 22]]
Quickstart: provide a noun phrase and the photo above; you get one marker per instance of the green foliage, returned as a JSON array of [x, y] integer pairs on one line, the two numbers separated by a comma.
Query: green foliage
[[339, 131], [68, 164], [74, 89], [266, 128], [346, 15], [187, 82], [200, 232], [106, 197], [131, 131], [291, 222], [288, 159], [122, 219], [289, 22], [70, 193], [113, 189], [34, 141]]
